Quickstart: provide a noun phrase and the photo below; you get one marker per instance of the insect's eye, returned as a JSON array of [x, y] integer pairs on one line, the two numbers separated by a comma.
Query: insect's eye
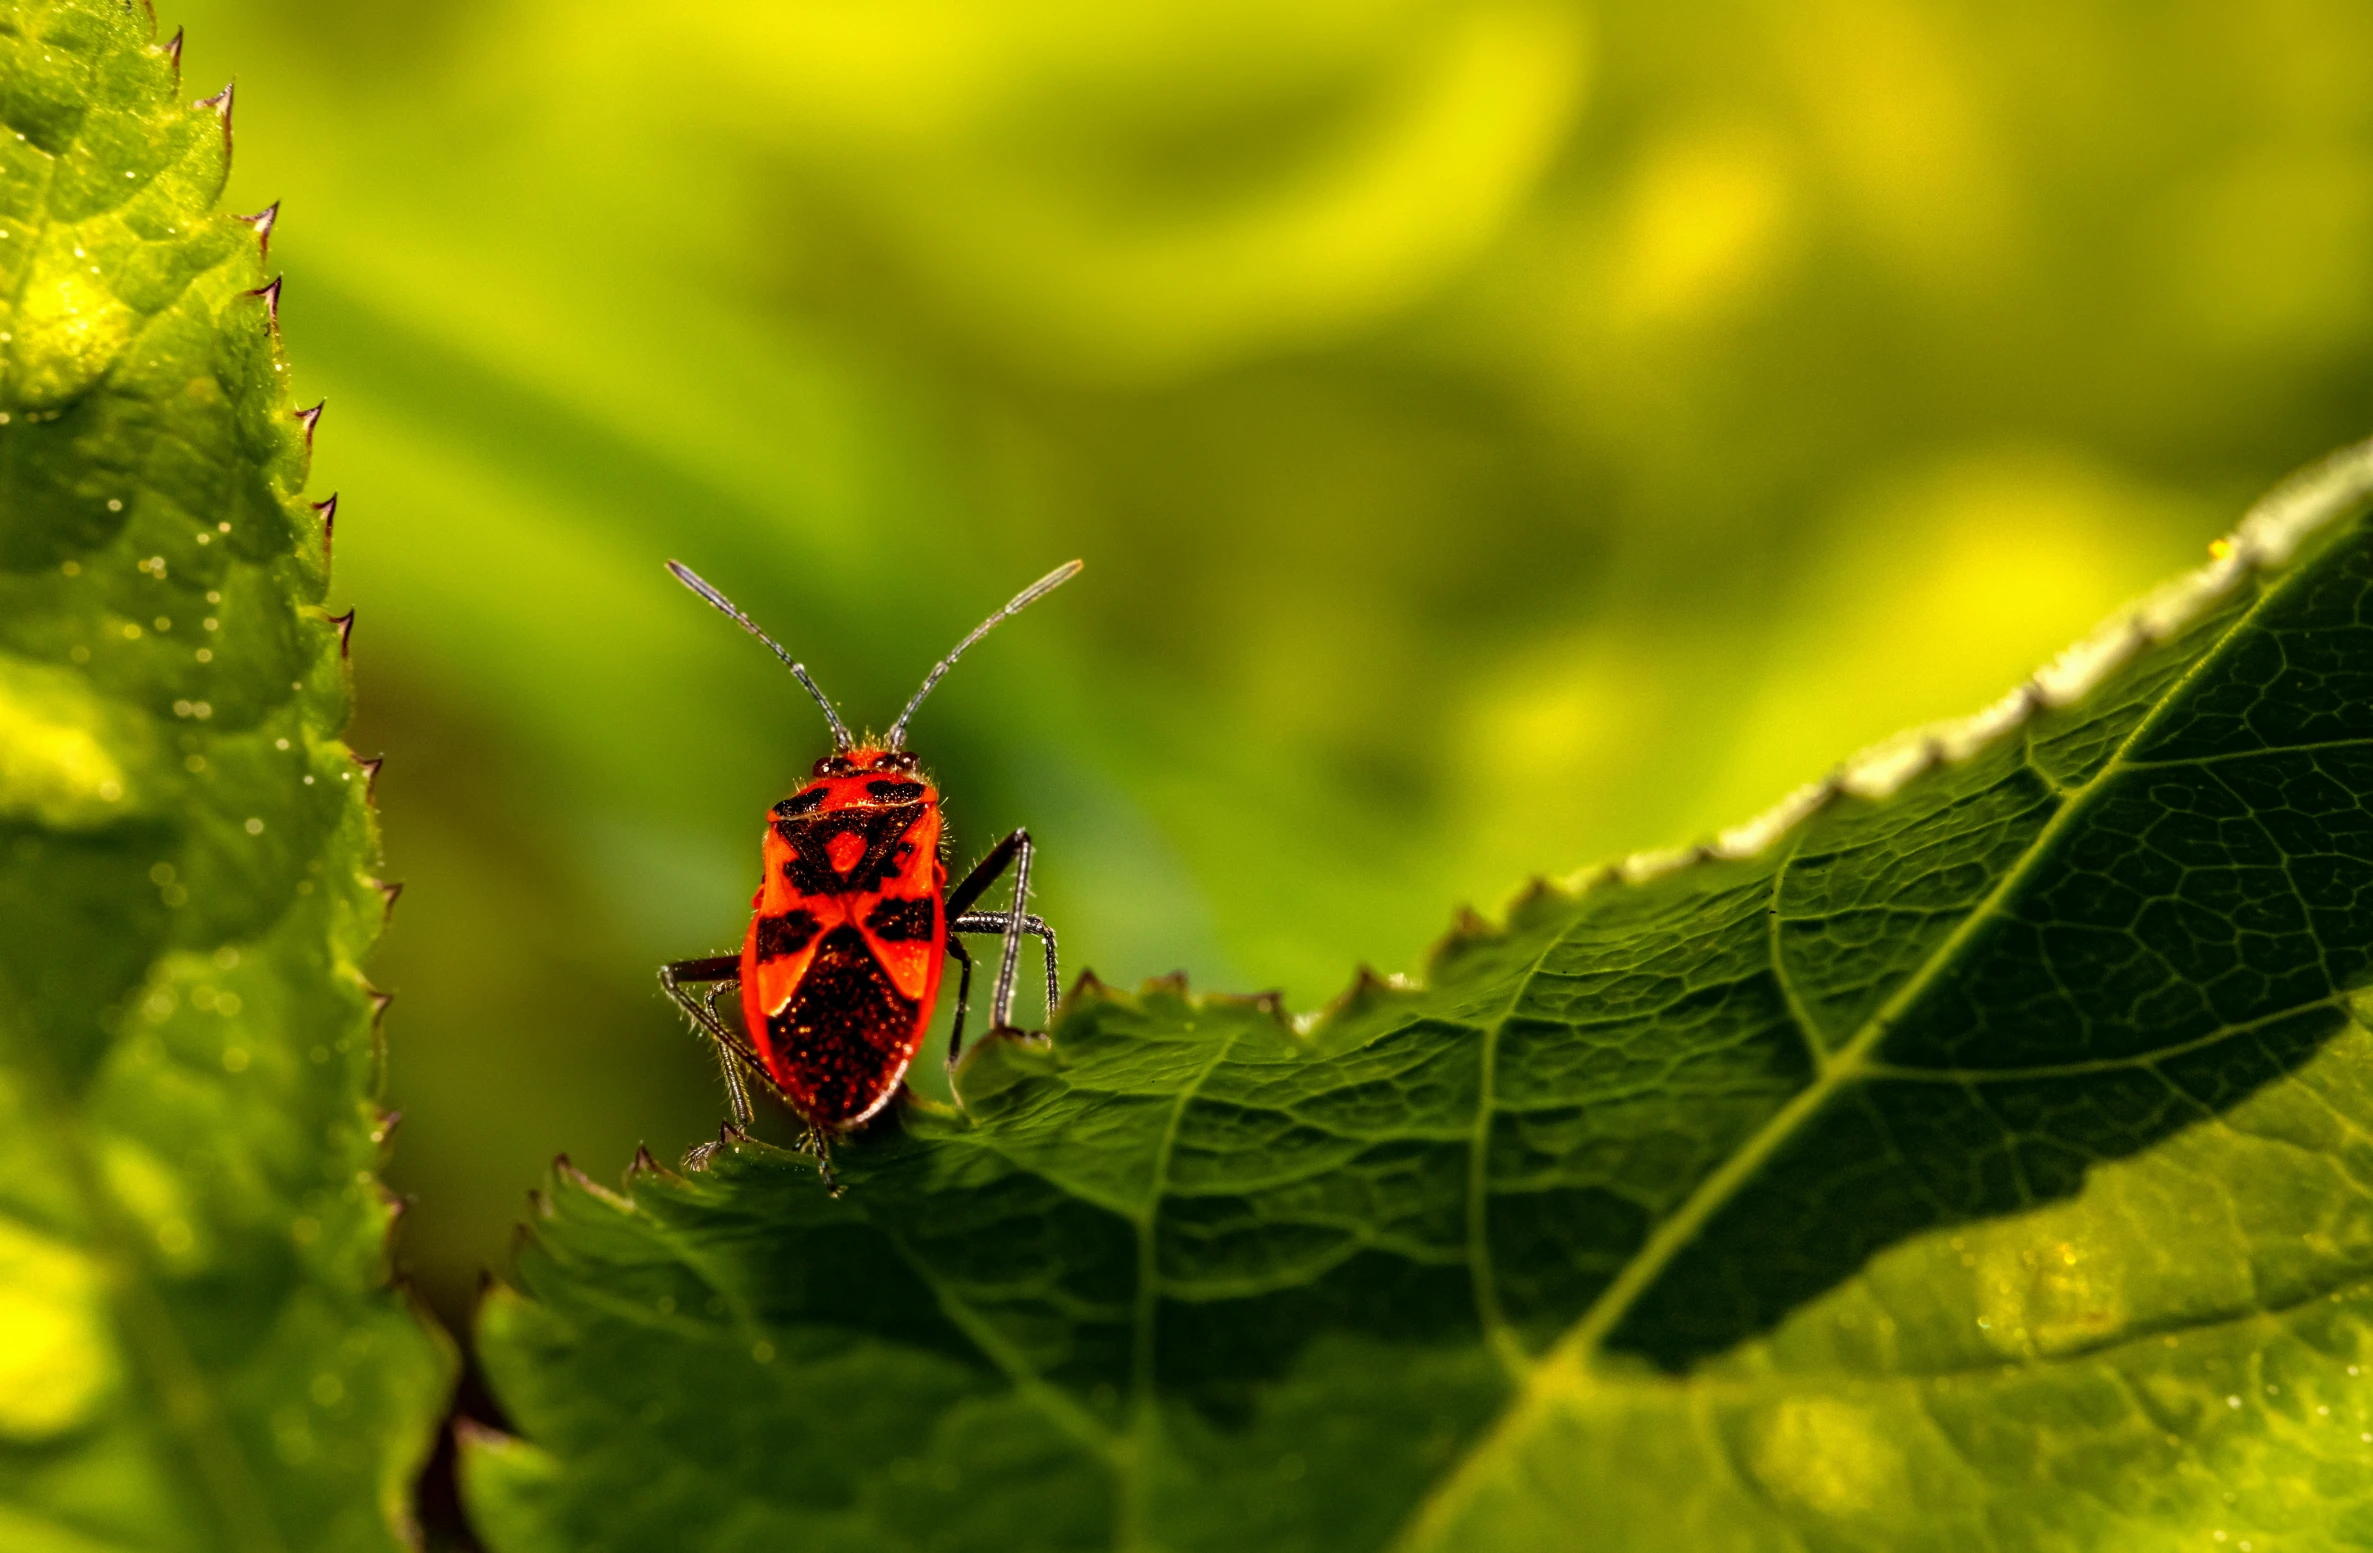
[[835, 765], [895, 760]]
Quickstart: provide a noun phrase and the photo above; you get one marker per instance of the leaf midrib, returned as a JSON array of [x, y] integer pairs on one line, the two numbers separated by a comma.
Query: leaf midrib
[[1848, 1064]]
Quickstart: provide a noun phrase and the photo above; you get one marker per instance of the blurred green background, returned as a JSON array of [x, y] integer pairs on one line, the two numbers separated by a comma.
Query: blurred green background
[[1501, 435]]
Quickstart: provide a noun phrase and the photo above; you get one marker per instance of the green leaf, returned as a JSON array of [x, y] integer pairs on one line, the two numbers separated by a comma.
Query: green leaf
[[1974, 1152], [198, 1345]]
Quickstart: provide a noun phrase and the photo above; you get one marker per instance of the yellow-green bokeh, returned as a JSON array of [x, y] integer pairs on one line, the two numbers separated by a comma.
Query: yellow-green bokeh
[[1502, 435]]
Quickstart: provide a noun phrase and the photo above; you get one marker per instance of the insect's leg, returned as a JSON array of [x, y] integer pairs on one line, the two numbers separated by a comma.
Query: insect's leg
[[1054, 978], [962, 957], [819, 1143], [729, 1055], [1034, 925], [1001, 1001], [984, 873], [716, 969], [734, 1056], [1013, 852], [704, 1013]]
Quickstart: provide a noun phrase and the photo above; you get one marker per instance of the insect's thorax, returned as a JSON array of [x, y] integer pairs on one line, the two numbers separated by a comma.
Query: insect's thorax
[[854, 835]]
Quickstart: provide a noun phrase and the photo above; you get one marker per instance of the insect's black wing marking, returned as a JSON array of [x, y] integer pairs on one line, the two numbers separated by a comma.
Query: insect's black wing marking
[[810, 836], [787, 934], [842, 1026], [901, 921], [799, 803]]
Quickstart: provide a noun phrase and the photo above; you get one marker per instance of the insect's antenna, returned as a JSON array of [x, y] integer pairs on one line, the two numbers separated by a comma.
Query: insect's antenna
[[1020, 601], [690, 579]]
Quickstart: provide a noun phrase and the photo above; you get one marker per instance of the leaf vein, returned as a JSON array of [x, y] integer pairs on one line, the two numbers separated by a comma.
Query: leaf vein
[[2148, 1059], [1722, 1184]]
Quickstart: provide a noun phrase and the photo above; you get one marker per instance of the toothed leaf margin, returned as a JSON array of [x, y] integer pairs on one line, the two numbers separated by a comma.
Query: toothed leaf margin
[[199, 1347]]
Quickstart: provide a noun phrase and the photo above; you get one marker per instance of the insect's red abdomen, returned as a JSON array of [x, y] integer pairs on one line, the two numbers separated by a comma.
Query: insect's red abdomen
[[841, 965]]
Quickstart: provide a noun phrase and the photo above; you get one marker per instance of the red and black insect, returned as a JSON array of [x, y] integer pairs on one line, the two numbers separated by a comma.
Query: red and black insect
[[840, 968]]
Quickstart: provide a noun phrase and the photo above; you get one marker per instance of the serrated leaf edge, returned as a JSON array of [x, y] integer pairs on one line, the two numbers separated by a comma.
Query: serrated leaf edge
[[2265, 541], [193, 1406]]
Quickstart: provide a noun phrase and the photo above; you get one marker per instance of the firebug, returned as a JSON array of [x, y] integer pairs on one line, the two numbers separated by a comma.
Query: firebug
[[840, 968]]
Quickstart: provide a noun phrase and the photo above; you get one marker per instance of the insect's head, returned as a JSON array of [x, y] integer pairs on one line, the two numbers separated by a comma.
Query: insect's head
[[863, 761], [847, 757]]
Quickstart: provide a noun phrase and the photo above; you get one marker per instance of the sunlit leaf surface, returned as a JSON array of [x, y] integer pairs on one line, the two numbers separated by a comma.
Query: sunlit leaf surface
[[198, 1349], [1972, 1154]]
